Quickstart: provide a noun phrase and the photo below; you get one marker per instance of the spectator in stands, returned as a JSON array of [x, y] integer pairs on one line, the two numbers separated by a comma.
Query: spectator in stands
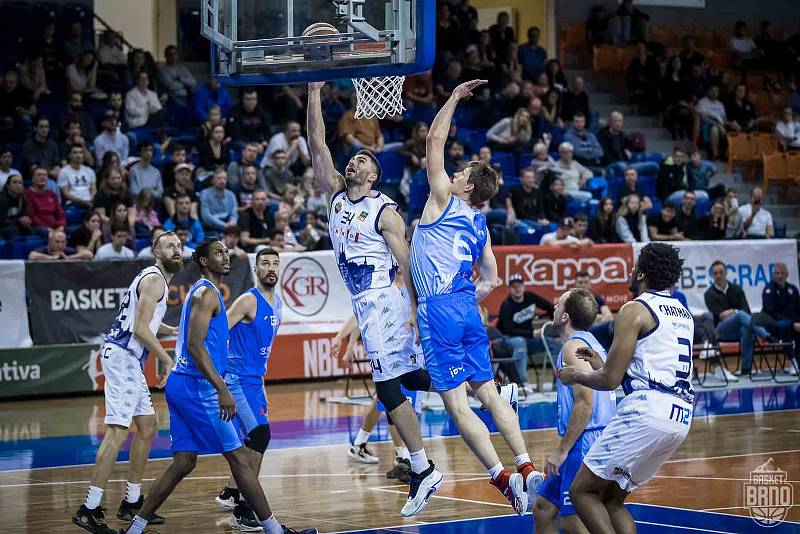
[[112, 190], [177, 157], [17, 106], [293, 144], [643, 75], [39, 151], [210, 94], [541, 158], [713, 119], [213, 119], [246, 186], [698, 173], [515, 321], [612, 140], [676, 100], [583, 280], [316, 201], [532, 57], [740, 111], [218, 205], [139, 60], [57, 249], [33, 76], [231, 240], [145, 216], [414, 148], [143, 175], [111, 138], [256, 223], [418, 91], [793, 101], [14, 219], [755, 221], [555, 75], [116, 104], [690, 57], [449, 81], [507, 101], [447, 30], [51, 50], [522, 207], [175, 78], [76, 43], [142, 105], [788, 130], [184, 185], [116, 249], [562, 236], [89, 235], [629, 25], [44, 207], [672, 175], [603, 226], [686, 217], [120, 215], [356, 134], [249, 158], [781, 301], [551, 108], [78, 182], [475, 68], [109, 51], [6, 170], [715, 224], [554, 207], [213, 152], [82, 77], [71, 138], [512, 133], [278, 176], [631, 222], [585, 144], [728, 304], [575, 100], [664, 226], [315, 234], [743, 49], [630, 186], [502, 35], [283, 236], [572, 173], [455, 157], [249, 122], [510, 68], [183, 218]]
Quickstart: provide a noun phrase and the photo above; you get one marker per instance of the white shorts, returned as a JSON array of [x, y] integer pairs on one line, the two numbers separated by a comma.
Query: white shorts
[[391, 346], [648, 427], [126, 392]]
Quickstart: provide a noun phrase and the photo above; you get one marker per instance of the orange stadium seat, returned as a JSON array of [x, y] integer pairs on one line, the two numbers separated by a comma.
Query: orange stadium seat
[[793, 166], [763, 143], [775, 170], [739, 149]]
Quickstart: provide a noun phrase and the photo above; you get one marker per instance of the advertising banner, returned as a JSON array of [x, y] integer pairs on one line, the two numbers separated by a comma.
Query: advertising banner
[[13, 308], [750, 263]]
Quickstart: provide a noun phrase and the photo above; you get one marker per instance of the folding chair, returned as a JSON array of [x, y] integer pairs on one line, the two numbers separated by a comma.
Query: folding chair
[[784, 354], [739, 149], [775, 170]]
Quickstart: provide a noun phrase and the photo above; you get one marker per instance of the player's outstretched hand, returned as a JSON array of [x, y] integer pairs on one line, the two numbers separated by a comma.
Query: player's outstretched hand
[[588, 355], [315, 86], [465, 89], [567, 375], [227, 405]]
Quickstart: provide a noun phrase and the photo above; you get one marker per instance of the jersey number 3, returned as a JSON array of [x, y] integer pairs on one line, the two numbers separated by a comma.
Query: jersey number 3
[[684, 357]]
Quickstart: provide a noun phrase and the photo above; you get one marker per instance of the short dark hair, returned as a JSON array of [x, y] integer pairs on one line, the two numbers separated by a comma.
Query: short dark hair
[[581, 307], [661, 264], [249, 91], [485, 181], [582, 217], [668, 205], [75, 145], [582, 274], [177, 147], [144, 144], [182, 195], [170, 47], [40, 118], [376, 165], [578, 114], [266, 252], [232, 230], [277, 151], [203, 250], [117, 227], [719, 262]]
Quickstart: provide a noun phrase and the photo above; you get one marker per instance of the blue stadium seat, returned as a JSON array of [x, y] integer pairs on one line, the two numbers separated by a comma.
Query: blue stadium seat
[[594, 207], [507, 161], [510, 181], [419, 191], [525, 160], [141, 242], [575, 206], [656, 205], [702, 207], [616, 169], [75, 214], [655, 157], [598, 186], [4, 250], [22, 246], [392, 167]]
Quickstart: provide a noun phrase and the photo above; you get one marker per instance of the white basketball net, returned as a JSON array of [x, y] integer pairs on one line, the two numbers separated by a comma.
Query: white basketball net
[[379, 97]]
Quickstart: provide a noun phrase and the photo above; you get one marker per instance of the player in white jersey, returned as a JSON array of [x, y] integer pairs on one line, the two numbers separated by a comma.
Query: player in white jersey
[[368, 235], [651, 357], [450, 239], [126, 346]]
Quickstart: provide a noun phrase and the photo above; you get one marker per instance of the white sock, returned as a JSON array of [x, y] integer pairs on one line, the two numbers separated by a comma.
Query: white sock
[[361, 438], [137, 526], [271, 526], [402, 452], [93, 497], [133, 492], [419, 461], [523, 458], [495, 471]]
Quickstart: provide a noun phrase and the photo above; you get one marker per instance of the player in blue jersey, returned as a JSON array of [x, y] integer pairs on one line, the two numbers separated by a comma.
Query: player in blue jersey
[[131, 338], [253, 320], [582, 415], [450, 238], [200, 404]]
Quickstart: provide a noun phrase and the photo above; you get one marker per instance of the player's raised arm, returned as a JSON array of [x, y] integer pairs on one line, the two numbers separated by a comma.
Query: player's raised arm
[[327, 177], [244, 307], [151, 290], [487, 269], [437, 137], [394, 232]]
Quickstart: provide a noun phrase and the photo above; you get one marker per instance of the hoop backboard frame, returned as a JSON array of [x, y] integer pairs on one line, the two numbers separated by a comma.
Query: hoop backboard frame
[[407, 46]]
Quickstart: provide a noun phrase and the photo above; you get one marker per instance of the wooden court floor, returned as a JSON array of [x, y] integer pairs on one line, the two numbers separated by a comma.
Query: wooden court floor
[[315, 485]]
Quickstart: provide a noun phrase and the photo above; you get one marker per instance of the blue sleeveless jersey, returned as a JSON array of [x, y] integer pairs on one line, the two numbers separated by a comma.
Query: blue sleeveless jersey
[[251, 343], [443, 252], [216, 341], [605, 402]]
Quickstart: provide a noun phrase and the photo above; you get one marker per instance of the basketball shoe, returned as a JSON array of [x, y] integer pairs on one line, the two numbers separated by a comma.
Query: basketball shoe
[[512, 486], [533, 479], [127, 510], [244, 518], [401, 470], [422, 487], [93, 520], [362, 454], [228, 497]]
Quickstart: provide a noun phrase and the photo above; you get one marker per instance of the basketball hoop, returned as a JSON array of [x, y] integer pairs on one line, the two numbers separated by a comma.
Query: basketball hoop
[[379, 97]]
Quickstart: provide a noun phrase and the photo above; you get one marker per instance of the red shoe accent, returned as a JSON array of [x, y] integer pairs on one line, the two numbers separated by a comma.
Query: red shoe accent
[[526, 469], [501, 483]]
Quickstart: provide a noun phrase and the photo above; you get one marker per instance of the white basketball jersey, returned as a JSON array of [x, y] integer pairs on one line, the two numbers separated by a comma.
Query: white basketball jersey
[[121, 332], [663, 356], [365, 261]]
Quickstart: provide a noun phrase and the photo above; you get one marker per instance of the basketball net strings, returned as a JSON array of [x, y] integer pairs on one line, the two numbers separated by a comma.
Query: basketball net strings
[[379, 97]]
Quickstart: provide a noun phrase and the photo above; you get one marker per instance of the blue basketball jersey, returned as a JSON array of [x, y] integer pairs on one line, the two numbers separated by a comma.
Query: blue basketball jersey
[[216, 341], [251, 343], [443, 252], [605, 402]]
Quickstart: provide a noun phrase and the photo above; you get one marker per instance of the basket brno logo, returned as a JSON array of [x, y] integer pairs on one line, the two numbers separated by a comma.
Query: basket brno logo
[[304, 286], [768, 496]]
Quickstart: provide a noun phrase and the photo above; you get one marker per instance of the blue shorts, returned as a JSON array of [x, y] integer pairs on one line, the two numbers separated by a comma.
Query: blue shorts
[[454, 340], [413, 397], [194, 422], [251, 402], [556, 488]]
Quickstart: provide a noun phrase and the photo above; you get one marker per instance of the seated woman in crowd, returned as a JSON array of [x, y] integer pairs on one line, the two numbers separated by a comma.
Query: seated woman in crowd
[[121, 216], [113, 190], [556, 75], [213, 152], [82, 77], [512, 133], [603, 226], [89, 235], [145, 214], [551, 108], [631, 221]]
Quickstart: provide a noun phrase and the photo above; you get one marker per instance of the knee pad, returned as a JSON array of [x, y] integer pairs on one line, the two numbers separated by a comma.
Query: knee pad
[[258, 439], [417, 380], [389, 394]]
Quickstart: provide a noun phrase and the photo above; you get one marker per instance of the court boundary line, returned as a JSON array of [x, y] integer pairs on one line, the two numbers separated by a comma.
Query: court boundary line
[[702, 511]]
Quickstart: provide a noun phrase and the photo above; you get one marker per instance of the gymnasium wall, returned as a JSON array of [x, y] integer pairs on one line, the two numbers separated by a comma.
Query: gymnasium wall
[[717, 13], [147, 24], [528, 13]]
